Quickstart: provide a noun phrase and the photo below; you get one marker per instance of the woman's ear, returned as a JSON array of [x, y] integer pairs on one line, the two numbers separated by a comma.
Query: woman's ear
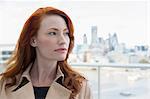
[[33, 42]]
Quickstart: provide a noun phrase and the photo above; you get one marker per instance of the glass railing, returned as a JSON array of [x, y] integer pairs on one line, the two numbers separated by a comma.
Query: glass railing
[[117, 81]]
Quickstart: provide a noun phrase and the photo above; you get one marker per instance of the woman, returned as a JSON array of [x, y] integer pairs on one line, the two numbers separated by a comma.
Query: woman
[[38, 68]]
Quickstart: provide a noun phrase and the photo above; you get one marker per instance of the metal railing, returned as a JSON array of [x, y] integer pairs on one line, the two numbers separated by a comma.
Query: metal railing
[[98, 67], [112, 65]]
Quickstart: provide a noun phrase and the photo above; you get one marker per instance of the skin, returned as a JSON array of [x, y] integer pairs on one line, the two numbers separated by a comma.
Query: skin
[[51, 44]]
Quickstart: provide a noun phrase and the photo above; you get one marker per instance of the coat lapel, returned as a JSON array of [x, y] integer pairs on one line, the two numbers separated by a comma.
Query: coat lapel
[[25, 92], [57, 91]]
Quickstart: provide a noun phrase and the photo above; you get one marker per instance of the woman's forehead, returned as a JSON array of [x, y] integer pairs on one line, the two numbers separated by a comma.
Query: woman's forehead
[[53, 21]]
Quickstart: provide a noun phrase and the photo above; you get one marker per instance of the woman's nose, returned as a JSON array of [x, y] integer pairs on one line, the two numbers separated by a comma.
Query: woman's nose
[[62, 40]]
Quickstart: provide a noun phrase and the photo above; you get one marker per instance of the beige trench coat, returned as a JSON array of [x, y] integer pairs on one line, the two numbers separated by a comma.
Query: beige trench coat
[[24, 89]]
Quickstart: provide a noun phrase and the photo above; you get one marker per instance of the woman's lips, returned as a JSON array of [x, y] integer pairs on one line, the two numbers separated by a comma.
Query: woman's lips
[[61, 50]]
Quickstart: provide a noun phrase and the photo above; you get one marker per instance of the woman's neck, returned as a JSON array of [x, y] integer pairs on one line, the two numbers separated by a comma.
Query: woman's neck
[[43, 73]]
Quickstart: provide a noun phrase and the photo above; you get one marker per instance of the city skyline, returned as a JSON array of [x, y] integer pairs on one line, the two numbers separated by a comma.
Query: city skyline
[[128, 19]]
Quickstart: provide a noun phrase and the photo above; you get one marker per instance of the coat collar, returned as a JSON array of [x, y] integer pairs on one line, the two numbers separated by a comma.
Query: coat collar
[[56, 89], [26, 75]]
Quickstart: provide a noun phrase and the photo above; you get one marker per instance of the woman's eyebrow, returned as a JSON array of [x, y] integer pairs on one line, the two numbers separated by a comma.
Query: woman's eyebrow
[[66, 29], [53, 29]]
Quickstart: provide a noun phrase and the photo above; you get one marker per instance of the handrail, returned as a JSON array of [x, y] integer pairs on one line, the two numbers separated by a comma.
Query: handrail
[[114, 65], [7, 45]]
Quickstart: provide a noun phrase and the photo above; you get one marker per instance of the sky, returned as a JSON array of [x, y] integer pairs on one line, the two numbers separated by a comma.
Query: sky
[[129, 19]]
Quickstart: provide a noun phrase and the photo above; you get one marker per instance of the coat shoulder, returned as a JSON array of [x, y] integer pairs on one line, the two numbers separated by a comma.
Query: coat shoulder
[[85, 92]]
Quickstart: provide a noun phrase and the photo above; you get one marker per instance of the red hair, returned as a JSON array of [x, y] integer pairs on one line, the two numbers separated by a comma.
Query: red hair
[[25, 54]]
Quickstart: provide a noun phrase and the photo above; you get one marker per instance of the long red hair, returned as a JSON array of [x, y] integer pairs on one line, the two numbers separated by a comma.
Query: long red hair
[[24, 53]]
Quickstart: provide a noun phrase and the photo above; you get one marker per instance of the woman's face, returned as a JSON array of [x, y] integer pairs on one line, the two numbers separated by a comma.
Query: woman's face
[[52, 40]]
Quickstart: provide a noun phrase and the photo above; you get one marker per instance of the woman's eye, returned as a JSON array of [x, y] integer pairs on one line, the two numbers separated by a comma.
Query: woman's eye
[[52, 33], [67, 33]]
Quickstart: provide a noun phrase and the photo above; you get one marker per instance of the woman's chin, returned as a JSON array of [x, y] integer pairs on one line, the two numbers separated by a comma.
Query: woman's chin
[[61, 59]]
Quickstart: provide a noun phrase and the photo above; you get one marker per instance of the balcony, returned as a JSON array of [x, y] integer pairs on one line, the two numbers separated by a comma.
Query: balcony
[[116, 81]]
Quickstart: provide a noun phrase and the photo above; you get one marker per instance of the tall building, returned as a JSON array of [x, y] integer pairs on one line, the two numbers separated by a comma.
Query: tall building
[[113, 41], [84, 39], [94, 38]]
